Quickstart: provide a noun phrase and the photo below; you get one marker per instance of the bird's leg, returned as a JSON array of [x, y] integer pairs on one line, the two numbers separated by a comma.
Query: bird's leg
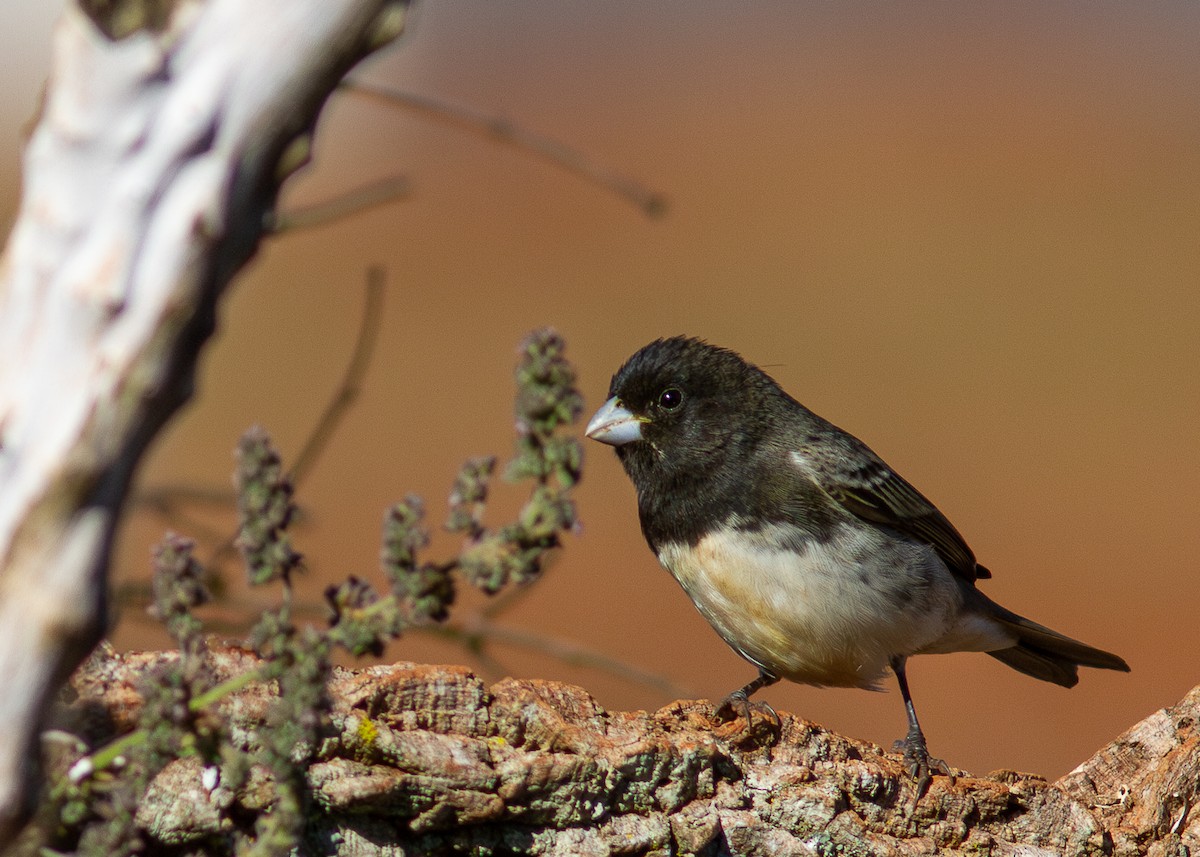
[[920, 765], [738, 703]]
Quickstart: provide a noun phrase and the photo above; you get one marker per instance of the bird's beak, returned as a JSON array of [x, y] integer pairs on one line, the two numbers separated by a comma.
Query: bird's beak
[[614, 424]]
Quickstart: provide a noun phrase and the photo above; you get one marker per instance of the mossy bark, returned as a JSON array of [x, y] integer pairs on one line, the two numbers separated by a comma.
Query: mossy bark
[[431, 760]]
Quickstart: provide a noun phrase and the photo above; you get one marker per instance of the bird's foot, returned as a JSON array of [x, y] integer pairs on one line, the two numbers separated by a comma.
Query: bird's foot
[[917, 761], [738, 706]]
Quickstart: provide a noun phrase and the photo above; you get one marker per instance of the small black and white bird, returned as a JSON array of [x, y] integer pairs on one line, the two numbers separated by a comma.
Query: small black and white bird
[[807, 553]]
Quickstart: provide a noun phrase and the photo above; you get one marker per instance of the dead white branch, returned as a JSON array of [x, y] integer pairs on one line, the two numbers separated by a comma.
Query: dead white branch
[[147, 180]]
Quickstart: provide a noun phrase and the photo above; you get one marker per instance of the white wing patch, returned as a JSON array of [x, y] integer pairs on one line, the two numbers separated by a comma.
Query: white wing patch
[[801, 460]]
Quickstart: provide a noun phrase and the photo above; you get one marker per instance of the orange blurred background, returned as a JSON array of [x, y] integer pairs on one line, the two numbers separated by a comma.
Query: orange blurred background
[[966, 233]]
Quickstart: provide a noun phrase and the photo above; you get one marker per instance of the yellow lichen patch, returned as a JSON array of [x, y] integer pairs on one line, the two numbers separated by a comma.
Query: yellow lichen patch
[[367, 732]]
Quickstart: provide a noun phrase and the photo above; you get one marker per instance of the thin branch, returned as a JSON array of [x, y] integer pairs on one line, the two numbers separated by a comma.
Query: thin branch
[[172, 503], [651, 203], [500, 604], [351, 385], [382, 192], [167, 499], [475, 636]]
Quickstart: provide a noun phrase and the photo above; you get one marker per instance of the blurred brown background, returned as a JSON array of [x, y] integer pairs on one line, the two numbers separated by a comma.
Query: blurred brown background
[[967, 233]]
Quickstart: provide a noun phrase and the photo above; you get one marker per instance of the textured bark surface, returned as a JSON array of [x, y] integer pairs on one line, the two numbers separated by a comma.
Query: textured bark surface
[[147, 180], [426, 760]]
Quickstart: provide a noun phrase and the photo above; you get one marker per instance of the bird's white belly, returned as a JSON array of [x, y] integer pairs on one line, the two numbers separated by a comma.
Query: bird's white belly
[[829, 613]]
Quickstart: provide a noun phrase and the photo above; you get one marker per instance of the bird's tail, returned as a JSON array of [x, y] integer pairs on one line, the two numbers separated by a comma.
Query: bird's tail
[[1046, 654]]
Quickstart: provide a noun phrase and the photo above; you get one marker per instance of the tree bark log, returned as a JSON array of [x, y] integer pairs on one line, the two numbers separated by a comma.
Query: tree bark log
[[147, 179], [429, 760]]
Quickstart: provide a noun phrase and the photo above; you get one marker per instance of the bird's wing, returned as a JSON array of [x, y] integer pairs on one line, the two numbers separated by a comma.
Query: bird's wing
[[867, 487]]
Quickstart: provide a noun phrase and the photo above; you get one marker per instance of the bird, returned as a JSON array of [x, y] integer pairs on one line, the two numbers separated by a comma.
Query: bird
[[811, 557]]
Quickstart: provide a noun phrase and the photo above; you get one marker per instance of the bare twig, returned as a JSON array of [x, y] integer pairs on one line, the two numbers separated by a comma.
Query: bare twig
[[351, 384], [651, 203], [499, 605], [353, 202], [166, 497], [475, 635], [169, 500]]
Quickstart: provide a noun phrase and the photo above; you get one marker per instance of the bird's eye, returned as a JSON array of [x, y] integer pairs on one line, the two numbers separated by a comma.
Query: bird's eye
[[670, 399]]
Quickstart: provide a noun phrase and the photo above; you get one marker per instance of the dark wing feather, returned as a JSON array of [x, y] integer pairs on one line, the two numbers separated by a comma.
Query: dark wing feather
[[863, 484]]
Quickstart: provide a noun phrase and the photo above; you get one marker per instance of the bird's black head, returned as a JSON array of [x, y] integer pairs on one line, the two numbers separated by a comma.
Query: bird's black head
[[679, 409]]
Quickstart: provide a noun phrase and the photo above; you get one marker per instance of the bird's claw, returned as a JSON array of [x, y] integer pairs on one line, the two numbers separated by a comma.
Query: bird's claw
[[918, 763], [738, 706]]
